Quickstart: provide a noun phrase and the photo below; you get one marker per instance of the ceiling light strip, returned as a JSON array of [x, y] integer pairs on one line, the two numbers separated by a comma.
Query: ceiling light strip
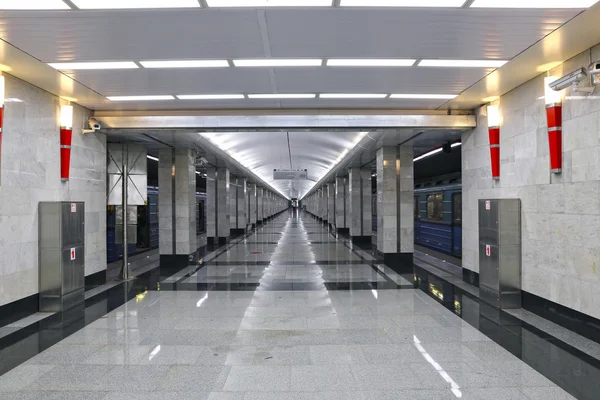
[[141, 98], [90, 65], [402, 3], [269, 3], [369, 62], [33, 5], [211, 97], [353, 95], [462, 63], [186, 64], [533, 3], [133, 4], [279, 62]]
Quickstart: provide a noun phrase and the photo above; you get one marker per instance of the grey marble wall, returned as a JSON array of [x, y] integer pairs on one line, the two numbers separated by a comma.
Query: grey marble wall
[[233, 198], [185, 201], [359, 210], [341, 194], [30, 173], [211, 202], [331, 203], [259, 203], [560, 213], [242, 203], [252, 196], [224, 200], [395, 201]]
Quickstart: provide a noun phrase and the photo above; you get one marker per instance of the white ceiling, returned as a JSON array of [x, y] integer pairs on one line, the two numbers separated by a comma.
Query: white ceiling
[[262, 152], [413, 33]]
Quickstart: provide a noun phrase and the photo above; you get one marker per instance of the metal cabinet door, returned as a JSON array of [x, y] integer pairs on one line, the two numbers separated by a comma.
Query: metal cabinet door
[[73, 224], [73, 273]]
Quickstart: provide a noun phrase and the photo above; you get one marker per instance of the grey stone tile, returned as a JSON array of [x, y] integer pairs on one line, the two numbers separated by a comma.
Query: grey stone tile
[[258, 379], [278, 396], [546, 393], [134, 378], [73, 377], [381, 377], [337, 354], [172, 355], [65, 354], [227, 355], [203, 378], [118, 355], [163, 395], [319, 378], [79, 395], [22, 376]]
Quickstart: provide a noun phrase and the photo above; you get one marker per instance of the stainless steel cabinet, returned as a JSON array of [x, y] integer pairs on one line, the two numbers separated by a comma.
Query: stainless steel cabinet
[[500, 252], [61, 255]]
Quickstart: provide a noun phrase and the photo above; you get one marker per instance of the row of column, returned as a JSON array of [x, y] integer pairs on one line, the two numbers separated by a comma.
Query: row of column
[[346, 205], [233, 206]]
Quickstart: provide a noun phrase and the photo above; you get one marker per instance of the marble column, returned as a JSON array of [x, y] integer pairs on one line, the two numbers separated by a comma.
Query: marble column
[[177, 207], [341, 194], [259, 204], [233, 203], [218, 200], [395, 206], [331, 203], [242, 205], [252, 205], [359, 210]]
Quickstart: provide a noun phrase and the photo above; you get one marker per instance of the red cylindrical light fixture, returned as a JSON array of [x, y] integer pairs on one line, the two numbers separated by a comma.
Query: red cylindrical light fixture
[[554, 119], [1, 110], [66, 134], [493, 115]]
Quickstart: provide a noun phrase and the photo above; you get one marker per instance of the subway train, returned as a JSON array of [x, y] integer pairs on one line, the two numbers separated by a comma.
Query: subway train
[[438, 216], [147, 226]]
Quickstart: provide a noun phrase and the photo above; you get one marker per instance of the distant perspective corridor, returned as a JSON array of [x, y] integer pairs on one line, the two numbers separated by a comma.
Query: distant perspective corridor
[[290, 311]]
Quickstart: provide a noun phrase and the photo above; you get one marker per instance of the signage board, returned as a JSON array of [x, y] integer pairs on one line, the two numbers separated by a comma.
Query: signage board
[[286, 174]]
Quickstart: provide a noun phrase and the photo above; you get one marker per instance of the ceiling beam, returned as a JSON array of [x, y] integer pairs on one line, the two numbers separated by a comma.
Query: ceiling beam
[[267, 121]]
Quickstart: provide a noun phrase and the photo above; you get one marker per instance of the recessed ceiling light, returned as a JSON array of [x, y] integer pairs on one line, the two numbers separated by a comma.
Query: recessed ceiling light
[[115, 4], [374, 62], [352, 95], [422, 96], [270, 62], [33, 5], [463, 63], [13, 100], [140, 98], [210, 96], [533, 3], [185, 64], [282, 96], [402, 3], [269, 3], [72, 66]]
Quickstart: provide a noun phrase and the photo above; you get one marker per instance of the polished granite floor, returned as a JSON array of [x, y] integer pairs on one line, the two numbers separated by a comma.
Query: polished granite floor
[[289, 312]]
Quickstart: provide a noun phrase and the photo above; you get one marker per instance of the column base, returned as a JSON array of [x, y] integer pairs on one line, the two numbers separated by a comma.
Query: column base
[[470, 277], [401, 263], [96, 279], [237, 232], [214, 241], [174, 261], [361, 239], [343, 230]]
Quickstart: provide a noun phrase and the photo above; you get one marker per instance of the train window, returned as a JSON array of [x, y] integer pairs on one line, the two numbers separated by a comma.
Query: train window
[[435, 207], [417, 207], [457, 208]]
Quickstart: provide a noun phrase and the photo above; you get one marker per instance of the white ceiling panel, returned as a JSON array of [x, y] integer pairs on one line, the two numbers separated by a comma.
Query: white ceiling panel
[[134, 35], [377, 80], [409, 33], [176, 81]]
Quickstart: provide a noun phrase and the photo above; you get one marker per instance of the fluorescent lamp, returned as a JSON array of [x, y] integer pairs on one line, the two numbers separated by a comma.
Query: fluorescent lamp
[[282, 96], [13, 100], [151, 157], [463, 63], [210, 96], [428, 154], [269, 3], [370, 62], [116, 4], [423, 96], [533, 3], [551, 96], [271, 62], [139, 98], [353, 96], [71, 66], [33, 5], [66, 117], [185, 64], [456, 144], [402, 3], [493, 116]]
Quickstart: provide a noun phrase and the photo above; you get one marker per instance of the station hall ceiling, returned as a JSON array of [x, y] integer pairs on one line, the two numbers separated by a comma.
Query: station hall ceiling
[[423, 48]]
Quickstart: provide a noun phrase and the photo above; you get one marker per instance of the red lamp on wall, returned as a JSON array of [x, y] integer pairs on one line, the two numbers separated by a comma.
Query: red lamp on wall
[[493, 115], [554, 119], [66, 134], [1, 110]]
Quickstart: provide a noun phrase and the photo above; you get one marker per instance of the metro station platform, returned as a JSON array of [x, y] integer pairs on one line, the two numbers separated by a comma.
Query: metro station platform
[[290, 311]]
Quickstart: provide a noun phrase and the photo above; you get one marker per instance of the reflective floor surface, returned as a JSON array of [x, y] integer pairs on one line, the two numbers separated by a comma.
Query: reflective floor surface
[[289, 312]]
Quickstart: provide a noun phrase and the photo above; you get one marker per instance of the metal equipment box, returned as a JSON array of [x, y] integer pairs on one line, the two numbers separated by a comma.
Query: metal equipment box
[[500, 252], [61, 255]]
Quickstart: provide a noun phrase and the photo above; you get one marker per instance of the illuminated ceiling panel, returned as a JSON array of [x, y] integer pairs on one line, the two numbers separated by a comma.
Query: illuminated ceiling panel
[[262, 152]]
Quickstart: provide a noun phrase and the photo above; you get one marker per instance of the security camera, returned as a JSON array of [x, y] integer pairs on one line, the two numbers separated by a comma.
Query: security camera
[[594, 71], [94, 124], [571, 79]]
